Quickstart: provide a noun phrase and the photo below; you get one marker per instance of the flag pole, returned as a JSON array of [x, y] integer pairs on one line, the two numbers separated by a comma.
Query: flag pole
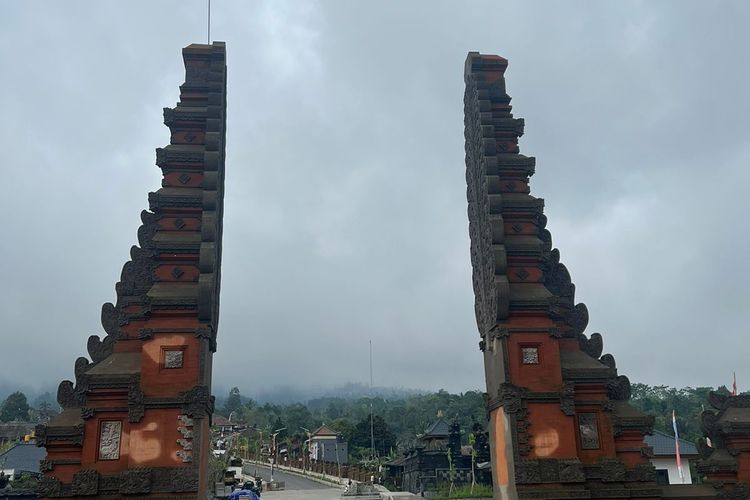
[[677, 447]]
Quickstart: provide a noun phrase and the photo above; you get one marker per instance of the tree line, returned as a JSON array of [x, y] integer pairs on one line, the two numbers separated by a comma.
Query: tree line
[[398, 422]]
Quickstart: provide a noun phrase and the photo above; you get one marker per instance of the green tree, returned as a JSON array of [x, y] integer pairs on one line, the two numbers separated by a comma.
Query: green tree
[[15, 407], [384, 438], [233, 403]]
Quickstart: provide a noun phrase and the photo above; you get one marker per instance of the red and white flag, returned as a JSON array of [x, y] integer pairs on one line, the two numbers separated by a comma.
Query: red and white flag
[[708, 439], [677, 447]]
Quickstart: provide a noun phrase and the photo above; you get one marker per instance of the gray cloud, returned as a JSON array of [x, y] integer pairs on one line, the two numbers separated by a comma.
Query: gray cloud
[[345, 204]]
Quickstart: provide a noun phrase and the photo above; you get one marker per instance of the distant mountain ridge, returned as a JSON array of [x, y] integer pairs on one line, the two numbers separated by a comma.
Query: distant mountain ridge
[[287, 394]]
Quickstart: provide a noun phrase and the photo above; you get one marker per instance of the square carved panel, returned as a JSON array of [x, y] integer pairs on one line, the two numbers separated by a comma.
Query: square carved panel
[[109, 440], [173, 358], [530, 355]]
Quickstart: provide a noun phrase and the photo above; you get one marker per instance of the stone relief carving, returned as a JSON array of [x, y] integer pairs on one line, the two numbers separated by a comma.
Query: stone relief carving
[[588, 430], [173, 359], [109, 440], [567, 398], [197, 402], [480, 229]]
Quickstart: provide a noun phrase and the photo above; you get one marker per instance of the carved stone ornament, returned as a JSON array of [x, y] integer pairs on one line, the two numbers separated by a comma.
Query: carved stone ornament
[[567, 398], [68, 396], [145, 333], [197, 402], [557, 278], [87, 413], [86, 482], [527, 472], [549, 470], [109, 440], [40, 432], [642, 473], [609, 360], [510, 397], [185, 456], [173, 358], [175, 479], [480, 228], [100, 349], [48, 487], [185, 420], [578, 319], [722, 402], [136, 403], [571, 471], [588, 429], [135, 482], [739, 491], [186, 444], [45, 465], [619, 388], [112, 319], [186, 433], [613, 471], [592, 346], [530, 355], [148, 229], [137, 274]]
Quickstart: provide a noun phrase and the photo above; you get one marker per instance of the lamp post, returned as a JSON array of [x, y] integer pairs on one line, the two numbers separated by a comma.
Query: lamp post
[[275, 450]]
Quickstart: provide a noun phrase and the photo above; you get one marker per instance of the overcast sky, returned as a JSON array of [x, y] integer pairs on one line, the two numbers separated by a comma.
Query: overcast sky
[[345, 198]]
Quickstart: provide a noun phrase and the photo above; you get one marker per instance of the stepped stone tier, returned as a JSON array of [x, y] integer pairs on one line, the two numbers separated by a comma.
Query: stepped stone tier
[[135, 421], [560, 422]]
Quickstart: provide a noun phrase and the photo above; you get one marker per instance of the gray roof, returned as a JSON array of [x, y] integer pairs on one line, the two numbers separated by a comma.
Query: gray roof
[[440, 429], [663, 445], [23, 457]]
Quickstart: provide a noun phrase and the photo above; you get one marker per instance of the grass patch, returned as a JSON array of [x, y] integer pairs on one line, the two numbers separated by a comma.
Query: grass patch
[[465, 491]]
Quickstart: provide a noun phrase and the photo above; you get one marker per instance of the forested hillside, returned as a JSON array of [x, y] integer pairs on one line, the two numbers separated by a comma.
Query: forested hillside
[[399, 421]]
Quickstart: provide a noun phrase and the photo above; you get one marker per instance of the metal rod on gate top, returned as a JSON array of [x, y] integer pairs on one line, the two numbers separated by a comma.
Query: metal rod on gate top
[[209, 22]]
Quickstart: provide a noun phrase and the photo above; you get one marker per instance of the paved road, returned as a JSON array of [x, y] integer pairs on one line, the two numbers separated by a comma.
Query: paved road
[[291, 481]]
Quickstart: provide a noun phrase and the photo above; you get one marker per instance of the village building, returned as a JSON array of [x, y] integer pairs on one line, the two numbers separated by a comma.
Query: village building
[[665, 458], [326, 445]]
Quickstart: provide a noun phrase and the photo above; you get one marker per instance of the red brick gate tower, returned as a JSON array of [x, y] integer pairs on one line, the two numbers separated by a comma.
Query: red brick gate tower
[[136, 420], [560, 423]]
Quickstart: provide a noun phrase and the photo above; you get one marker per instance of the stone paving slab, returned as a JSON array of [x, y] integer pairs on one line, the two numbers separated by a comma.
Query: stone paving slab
[[316, 494]]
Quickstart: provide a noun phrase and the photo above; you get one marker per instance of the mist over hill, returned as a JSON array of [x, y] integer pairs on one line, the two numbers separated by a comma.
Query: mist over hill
[[288, 394]]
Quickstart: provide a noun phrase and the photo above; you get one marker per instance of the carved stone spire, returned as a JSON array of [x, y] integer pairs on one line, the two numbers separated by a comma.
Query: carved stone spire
[[559, 415], [135, 422]]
